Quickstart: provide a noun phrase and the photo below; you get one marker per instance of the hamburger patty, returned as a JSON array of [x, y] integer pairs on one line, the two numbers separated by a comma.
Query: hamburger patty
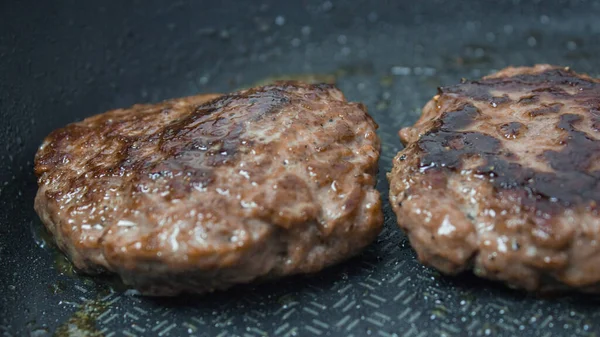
[[502, 176], [200, 193]]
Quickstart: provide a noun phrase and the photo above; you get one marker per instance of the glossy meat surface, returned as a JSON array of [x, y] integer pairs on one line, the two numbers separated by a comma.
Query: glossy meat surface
[[502, 176], [200, 193]]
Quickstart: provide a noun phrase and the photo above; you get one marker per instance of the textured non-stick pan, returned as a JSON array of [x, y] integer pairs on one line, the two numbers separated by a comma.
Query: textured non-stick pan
[[61, 61]]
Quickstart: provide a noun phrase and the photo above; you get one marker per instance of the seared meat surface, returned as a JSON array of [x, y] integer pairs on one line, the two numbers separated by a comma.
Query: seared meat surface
[[200, 193], [502, 176]]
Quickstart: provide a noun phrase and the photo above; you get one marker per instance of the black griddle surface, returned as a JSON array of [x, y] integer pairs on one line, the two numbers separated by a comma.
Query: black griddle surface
[[61, 61]]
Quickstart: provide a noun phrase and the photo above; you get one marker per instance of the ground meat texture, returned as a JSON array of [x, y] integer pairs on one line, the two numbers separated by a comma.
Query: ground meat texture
[[200, 193], [502, 176]]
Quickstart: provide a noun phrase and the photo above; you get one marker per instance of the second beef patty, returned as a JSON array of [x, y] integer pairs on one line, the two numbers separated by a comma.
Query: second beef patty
[[502, 176]]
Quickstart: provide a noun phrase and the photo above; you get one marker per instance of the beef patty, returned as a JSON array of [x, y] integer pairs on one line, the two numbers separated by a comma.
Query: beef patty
[[502, 176], [200, 193]]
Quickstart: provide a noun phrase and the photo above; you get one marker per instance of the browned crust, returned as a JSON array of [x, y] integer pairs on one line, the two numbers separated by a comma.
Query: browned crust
[[500, 175], [200, 193]]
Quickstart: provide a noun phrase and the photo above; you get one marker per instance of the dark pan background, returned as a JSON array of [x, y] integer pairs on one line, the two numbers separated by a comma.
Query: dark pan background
[[61, 61]]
